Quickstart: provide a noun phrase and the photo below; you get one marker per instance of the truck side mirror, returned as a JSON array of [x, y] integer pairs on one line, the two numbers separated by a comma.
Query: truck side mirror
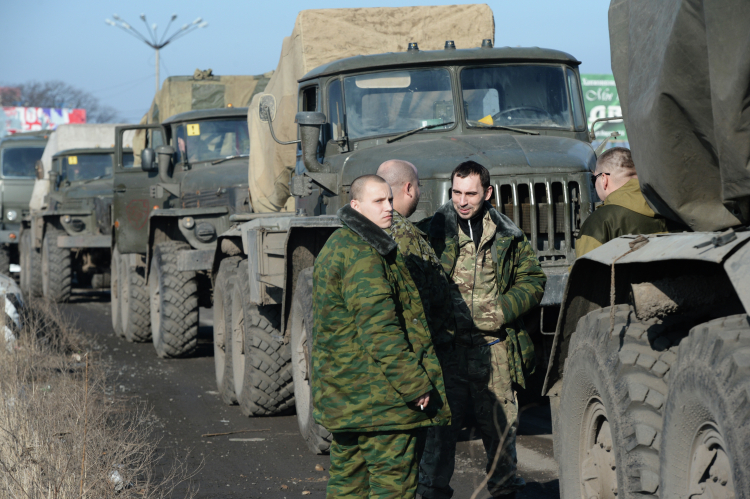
[[148, 160], [309, 131]]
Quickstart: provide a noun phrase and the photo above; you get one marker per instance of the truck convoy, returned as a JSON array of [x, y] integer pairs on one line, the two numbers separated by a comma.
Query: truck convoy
[[18, 156], [191, 150], [649, 381], [442, 96]]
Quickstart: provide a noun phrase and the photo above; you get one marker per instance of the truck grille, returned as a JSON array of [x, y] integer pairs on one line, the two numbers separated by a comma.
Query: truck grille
[[548, 209], [202, 199]]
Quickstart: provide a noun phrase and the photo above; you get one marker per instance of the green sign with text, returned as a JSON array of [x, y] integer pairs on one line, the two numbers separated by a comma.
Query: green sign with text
[[601, 101]]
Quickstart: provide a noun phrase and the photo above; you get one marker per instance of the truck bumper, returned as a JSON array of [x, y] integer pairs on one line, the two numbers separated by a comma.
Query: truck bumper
[[192, 260], [84, 241]]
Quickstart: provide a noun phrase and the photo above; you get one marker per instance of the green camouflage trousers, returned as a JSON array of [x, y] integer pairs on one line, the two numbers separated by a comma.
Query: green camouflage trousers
[[476, 378], [375, 464]]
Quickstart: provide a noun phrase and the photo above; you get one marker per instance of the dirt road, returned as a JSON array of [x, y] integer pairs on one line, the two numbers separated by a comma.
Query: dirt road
[[271, 460]]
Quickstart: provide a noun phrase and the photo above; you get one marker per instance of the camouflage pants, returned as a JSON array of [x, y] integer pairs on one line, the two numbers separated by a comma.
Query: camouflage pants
[[476, 378], [377, 464]]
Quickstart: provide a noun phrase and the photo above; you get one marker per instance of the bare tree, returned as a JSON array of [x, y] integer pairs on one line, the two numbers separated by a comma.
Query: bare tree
[[59, 94]]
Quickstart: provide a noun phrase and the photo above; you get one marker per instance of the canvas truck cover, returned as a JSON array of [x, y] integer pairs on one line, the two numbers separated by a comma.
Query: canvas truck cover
[[71, 137], [323, 36], [683, 75]]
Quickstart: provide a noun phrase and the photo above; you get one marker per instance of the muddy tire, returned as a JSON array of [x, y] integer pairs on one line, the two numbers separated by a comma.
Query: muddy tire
[[318, 439], [24, 246], [260, 358], [57, 273], [31, 266], [611, 406], [174, 303], [706, 444], [135, 309], [5, 253], [223, 330], [115, 299]]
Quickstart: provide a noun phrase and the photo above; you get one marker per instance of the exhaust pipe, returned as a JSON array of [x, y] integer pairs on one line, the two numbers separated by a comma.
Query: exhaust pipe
[[309, 132]]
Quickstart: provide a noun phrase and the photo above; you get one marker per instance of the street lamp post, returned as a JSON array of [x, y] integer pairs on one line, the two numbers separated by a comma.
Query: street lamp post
[[153, 40]]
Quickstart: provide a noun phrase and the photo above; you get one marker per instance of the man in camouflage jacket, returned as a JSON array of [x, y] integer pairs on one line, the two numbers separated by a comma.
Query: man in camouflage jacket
[[495, 279], [376, 380]]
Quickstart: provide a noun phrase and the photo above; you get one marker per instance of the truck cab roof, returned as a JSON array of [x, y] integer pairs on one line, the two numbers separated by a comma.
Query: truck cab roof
[[228, 112], [88, 150], [413, 58]]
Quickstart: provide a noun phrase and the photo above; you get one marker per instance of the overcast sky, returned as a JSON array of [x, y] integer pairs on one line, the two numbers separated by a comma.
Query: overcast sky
[[69, 41]]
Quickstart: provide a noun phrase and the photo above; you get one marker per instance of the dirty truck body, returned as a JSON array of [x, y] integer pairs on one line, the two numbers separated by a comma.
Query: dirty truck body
[[69, 240], [168, 214], [353, 115], [649, 378], [18, 156]]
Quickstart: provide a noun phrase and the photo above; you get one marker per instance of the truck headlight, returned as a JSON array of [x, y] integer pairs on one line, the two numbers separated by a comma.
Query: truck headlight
[[188, 222], [11, 215]]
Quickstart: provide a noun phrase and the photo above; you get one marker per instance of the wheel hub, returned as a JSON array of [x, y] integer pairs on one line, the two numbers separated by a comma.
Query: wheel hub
[[598, 465], [710, 469]]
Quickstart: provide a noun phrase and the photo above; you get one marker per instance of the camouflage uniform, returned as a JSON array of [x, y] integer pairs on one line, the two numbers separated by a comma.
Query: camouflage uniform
[[492, 287], [372, 356]]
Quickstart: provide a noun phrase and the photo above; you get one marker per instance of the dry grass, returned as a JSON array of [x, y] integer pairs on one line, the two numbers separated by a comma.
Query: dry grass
[[62, 434]]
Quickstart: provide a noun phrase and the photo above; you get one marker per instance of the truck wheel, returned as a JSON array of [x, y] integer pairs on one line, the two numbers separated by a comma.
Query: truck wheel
[[135, 309], [23, 248], [5, 259], [115, 299], [56, 267], [31, 266], [260, 358], [611, 406], [317, 437], [223, 329], [174, 303], [706, 445]]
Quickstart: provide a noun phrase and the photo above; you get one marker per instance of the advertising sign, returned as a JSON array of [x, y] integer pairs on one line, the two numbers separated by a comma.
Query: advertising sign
[[29, 119], [601, 101]]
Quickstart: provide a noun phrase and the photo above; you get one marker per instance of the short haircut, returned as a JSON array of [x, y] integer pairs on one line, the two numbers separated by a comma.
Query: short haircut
[[359, 184], [398, 172], [468, 168], [617, 161]]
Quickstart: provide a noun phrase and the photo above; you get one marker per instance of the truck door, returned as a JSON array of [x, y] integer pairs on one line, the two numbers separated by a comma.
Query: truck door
[[132, 201]]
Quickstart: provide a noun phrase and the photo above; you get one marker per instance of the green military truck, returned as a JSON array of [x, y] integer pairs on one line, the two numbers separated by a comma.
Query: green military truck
[[18, 157], [518, 111], [167, 217], [649, 381], [69, 240]]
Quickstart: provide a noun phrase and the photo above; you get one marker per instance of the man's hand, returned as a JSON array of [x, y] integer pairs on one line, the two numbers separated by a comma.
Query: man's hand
[[423, 401]]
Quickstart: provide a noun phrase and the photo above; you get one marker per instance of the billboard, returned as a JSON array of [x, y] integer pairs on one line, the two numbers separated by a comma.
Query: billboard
[[601, 101], [27, 119]]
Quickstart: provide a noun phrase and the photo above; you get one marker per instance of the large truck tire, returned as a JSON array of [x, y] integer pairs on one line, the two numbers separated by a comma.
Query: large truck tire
[[260, 358], [24, 246], [31, 266], [318, 439], [223, 329], [706, 445], [115, 290], [174, 303], [135, 311], [57, 272], [5, 251], [611, 406]]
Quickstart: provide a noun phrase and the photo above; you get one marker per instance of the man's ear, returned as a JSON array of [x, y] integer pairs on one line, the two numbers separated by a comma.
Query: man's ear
[[488, 193], [408, 189], [354, 203]]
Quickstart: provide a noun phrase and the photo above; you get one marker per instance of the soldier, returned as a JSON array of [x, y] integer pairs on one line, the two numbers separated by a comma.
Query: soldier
[[624, 209], [376, 380], [495, 279]]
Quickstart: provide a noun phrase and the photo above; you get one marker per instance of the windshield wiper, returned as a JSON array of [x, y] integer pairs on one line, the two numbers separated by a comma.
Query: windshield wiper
[[412, 132], [503, 127], [92, 179], [221, 160]]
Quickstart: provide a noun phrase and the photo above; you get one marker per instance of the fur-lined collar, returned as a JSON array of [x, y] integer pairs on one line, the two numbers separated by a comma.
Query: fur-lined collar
[[364, 228], [444, 224]]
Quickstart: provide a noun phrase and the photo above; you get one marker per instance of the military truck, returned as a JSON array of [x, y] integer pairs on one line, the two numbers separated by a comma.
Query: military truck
[[649, 380], [189, 176], [72, 235], [18, 156], [518, 111]]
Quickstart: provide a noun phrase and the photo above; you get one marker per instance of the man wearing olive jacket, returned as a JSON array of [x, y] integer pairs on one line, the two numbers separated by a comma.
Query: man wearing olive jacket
[[376, 380]]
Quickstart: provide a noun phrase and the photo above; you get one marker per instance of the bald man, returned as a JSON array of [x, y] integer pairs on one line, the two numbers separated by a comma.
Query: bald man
[[376, 379], [624, 209]]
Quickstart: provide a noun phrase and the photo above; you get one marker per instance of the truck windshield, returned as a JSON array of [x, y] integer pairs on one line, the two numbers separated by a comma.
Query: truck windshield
[[397, 101], [210, 140], [516, 95], [87, 166], [18, 162]]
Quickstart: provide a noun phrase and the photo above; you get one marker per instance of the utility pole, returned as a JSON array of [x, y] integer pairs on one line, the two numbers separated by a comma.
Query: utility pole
[[152, 40]]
